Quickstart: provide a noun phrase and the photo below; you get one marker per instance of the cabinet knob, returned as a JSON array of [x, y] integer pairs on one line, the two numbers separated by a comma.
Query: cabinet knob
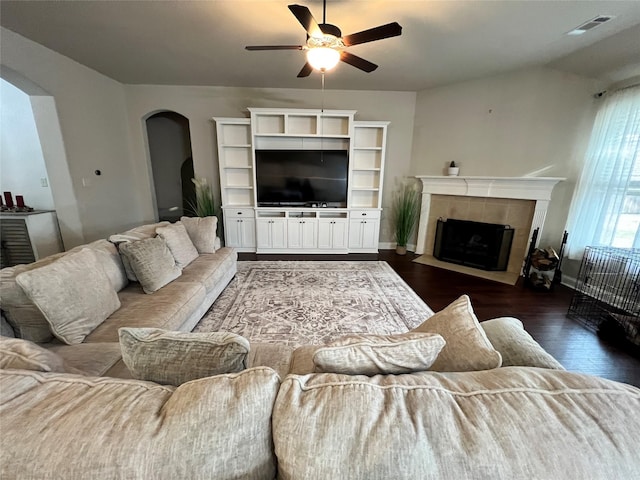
[[364, 214]]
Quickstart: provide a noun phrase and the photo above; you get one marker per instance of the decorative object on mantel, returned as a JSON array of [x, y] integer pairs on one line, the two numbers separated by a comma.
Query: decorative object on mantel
[[405, 212], [453, 169], [9, 206]]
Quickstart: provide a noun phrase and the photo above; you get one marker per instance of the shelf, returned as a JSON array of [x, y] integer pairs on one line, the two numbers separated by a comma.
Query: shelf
[[367, 169], [242, 145], [367, 148], [300, 135], [239, 187], [238, 167], [365, 189]]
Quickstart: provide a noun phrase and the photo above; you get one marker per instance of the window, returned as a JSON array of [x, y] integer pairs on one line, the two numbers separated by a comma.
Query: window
[[606, 206]]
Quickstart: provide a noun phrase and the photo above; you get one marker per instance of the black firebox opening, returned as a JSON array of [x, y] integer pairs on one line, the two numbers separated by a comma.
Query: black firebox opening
[[475, 244]]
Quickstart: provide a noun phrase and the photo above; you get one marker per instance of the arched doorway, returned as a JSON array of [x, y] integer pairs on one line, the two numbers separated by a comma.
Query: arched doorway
[[171, 163]]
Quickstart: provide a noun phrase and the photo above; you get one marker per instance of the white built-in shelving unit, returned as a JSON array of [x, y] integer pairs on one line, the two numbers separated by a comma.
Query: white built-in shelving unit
[[251, 228]]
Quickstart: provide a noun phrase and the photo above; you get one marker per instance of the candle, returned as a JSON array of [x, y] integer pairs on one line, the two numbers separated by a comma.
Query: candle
[[20, 201], [8, 199]]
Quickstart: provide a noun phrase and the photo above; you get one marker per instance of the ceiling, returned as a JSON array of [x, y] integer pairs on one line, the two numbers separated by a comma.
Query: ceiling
[[442, 42]]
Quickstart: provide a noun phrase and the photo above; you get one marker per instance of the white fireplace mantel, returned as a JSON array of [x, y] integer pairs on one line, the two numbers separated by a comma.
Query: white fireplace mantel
[[523, 188]]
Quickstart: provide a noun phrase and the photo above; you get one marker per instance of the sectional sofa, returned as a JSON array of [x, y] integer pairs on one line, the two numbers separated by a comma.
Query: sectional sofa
[[453, 398], [73, 281], [512, 422]]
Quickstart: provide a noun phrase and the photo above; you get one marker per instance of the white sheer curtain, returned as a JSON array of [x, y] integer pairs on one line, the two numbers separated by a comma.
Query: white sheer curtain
[[605, 210]]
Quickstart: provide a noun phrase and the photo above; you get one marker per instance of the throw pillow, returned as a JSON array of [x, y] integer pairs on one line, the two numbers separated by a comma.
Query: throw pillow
[[517, 347], [174, 358], [468, 347], [202, 231], [118, 240], [179, 243], [379, 354], [73, 293], [16, 353], [152, 263]]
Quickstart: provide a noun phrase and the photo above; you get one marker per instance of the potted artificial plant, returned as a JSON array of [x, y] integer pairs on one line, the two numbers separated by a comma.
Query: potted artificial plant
[[404, 215], [204, 205], [453, 169]]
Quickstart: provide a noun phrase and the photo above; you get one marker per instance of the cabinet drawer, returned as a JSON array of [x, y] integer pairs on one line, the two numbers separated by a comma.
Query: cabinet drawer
[[364, 214], [239, 212]]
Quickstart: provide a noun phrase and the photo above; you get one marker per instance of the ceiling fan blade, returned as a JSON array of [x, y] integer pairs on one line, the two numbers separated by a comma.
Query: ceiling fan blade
[[377, 33], [305, 18], [357, 62], [273, 47], [306, 70]]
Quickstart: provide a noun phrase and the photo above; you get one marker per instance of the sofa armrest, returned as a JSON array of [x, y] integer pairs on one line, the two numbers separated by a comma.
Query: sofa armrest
[[517, 347]]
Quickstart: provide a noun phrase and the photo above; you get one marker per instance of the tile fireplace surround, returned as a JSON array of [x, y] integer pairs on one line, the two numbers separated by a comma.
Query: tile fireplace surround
[[521, 202]]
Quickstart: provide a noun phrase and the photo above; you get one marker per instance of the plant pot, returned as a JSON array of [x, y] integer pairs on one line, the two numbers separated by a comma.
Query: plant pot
[[401, 250], [453, 171]]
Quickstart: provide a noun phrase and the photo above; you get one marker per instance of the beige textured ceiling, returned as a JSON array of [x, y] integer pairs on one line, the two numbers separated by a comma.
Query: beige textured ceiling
[[202, 42]]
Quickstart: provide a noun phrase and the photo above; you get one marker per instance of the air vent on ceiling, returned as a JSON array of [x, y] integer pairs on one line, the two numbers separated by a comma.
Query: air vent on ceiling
[[590, 24]]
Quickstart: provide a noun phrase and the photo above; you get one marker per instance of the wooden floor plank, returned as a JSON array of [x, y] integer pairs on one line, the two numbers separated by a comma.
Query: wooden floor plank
[[544, 314]]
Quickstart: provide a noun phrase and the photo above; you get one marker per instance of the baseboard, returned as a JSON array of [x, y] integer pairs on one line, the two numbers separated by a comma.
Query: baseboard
[[569, 281]]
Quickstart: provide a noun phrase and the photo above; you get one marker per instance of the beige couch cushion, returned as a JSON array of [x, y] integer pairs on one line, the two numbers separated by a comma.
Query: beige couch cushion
[[152, 262], [516, 346], [109, 257], [272, 355], [16, 353], [210, 268], [202, 231], [467, 345], [133, 235], [509, 423], [379, 354], [302, 359], [167, 308], [74, 293], [23, 315], [89, 358], [173, 358], [71, 427], [179, 243]]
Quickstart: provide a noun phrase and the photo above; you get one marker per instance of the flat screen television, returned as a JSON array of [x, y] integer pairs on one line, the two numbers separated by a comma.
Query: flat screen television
[[299, 178]]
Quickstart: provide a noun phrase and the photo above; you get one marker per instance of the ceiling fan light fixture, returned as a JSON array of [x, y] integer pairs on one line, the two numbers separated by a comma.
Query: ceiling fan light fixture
[[323, 58]]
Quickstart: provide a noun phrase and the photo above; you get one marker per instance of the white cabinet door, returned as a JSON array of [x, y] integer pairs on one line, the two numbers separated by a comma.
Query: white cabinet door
[[325, 233], [340, 233], [278, 233], [302, 233], [363, 234], [271, 232], [332, 233], [248, 233], [240, 228]]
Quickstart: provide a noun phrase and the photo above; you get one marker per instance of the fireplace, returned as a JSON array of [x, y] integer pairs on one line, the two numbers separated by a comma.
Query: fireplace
[[520, 202], [474, 244]]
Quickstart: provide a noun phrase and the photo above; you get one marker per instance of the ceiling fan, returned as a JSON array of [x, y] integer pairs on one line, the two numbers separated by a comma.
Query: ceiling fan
[[325, 44]]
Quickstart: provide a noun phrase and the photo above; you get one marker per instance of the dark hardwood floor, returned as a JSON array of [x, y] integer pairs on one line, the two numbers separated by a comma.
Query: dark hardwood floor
[[543, 313]]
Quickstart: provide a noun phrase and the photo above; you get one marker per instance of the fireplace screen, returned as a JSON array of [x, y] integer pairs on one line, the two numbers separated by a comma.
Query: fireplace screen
[[474, 244]]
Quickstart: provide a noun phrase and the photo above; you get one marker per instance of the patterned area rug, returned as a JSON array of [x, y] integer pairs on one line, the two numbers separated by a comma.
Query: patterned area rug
[[299, 303]]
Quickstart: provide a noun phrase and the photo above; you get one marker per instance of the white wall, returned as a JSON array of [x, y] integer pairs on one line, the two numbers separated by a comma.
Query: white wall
[[200, 104], [22, 164], [531, 122], [93, 120]]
